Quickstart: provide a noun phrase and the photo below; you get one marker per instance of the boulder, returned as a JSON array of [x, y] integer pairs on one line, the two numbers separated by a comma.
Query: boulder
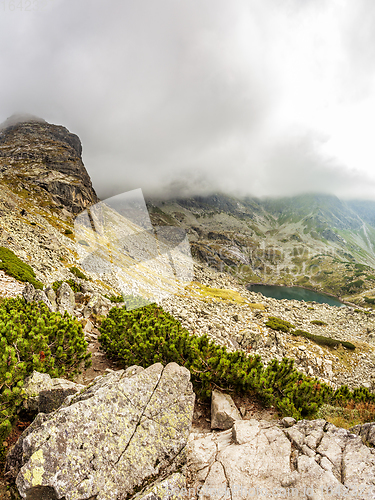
[[311, 459], [366, 431], [65, 299], [97, 305], [46, 394], [223, 411], [109, 441], [51, 296], [28, 292], [31, 295]]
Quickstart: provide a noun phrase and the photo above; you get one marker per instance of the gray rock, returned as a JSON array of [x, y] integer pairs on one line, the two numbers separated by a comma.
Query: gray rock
[[311, 459], [366, 431], [288, 421], [65, 299], [40, 296], [172, 488], [97, 305], [51, 296], [46, 394], [223, 411], [114, 438], [28, 292]]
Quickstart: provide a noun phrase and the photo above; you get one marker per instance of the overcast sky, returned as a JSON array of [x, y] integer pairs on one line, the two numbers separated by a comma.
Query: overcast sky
[[260, 97]]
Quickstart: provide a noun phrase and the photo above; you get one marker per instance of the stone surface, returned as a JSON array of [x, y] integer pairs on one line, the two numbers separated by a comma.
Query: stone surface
[[310, 459], [65, 299], [114, 438], [97, 305], [48, 157], [223, 411], [46, 394]]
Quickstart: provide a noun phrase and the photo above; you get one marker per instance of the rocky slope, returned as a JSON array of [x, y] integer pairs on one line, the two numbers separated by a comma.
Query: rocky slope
[[37, 157], [316, 241]]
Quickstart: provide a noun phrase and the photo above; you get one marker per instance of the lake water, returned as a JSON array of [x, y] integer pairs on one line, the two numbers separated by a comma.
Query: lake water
[[294, 293]]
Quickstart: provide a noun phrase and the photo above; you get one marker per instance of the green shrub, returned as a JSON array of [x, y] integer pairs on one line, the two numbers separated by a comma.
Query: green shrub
[[14, 266], [76, 287], [78, 273], [318, 322], [34, 338], [149, 335], [279, 324], [370, 300], [321, 340], [68, 231], [115, 298]]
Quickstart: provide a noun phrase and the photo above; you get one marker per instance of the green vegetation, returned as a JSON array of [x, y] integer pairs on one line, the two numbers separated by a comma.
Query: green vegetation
[[14, 266], [68, 231], [321, 340], [148, 335], [78, 273], [318, 322], [115, 298], [34, 338], [279, 324], [370, 300], [76, 287]]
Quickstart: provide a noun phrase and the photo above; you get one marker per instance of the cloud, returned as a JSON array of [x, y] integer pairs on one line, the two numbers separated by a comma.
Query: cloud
[[184, 97]]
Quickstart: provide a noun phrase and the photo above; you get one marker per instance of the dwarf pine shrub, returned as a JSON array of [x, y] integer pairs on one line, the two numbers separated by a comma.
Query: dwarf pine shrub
[[15, 267], [34, 338], [150, 335], [279, 324], [325, 341], [78, 273], [76, 287]]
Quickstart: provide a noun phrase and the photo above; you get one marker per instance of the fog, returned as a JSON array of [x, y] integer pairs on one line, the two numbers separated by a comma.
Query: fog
[[182, 97]]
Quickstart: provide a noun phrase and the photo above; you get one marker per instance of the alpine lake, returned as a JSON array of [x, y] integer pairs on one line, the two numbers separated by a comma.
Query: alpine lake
[[294, 293]]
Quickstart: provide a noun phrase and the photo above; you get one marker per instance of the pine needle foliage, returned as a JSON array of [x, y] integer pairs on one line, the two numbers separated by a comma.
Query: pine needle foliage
[[78, 273], [76, 287], [34, 338], [279, 324], [15, 267], [325, 341], [150, 335]]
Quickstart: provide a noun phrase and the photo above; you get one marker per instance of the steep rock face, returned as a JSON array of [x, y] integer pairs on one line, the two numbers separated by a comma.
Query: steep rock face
[[47, 157]]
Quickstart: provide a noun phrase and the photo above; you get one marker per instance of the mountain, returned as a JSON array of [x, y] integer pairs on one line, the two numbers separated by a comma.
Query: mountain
[[314, 240], [37, 158]]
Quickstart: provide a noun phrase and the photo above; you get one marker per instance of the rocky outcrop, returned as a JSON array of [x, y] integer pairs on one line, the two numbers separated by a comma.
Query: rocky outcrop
[[45, 394], [311, 459], [49, 157], [223, 411], [123, 433]]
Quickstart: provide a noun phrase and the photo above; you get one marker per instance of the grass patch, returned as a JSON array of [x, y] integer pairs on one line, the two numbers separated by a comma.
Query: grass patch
[[217, 293], [318, 322], [349, 414], [15, 267]]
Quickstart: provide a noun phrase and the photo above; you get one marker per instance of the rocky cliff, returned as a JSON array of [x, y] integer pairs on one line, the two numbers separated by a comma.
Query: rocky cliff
[[37, 157]]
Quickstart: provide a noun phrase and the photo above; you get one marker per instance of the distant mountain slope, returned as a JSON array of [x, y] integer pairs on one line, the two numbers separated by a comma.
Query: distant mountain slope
[[313, 240]]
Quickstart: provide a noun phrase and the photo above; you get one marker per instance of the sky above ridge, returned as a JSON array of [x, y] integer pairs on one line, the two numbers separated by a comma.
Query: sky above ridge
[[182, 97]]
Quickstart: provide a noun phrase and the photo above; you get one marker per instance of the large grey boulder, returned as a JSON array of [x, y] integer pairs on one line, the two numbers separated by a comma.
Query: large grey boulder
[[111, 440], [223, 411], [65, 299], [46, 394], [311, 459]]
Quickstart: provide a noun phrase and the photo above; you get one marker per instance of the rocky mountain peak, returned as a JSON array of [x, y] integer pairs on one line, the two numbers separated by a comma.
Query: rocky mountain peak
[[38, 156]]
